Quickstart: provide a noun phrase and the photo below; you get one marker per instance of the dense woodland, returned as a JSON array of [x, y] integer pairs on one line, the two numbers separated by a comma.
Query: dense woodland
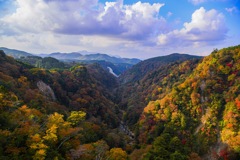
[[174, 107]]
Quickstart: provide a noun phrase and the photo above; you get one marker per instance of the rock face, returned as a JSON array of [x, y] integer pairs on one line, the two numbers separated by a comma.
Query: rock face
[[126, 130], [46, 90]]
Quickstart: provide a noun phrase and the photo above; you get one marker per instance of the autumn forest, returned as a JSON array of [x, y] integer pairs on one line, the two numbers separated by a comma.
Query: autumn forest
[[175, 107]]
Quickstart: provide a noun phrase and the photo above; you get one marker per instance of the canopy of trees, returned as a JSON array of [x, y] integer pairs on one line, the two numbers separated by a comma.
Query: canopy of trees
[[183, 107]]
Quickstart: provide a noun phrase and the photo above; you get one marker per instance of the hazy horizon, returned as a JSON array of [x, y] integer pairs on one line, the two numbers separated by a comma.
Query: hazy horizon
[[129, 29]]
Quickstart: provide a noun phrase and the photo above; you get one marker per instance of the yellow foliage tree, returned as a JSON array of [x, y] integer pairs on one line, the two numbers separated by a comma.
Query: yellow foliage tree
[[117, 154], [51, 134], [37, 144], [76, 117]]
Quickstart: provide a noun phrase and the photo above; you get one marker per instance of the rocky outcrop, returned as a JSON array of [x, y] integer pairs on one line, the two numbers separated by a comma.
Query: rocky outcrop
[[46, 90]]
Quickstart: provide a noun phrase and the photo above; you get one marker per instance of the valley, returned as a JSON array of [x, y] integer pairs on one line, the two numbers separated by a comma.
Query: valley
[[178, 107]]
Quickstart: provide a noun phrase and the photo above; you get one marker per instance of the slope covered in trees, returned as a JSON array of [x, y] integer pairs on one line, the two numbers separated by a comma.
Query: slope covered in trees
[[151, 79], [46, 62], [200, 115], [47, 114], [178, 106]]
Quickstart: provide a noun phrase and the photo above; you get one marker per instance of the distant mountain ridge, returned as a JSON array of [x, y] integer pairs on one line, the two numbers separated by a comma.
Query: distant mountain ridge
[[76, 56], [62, 56], [92, 57], [118, 64], [15, 53]]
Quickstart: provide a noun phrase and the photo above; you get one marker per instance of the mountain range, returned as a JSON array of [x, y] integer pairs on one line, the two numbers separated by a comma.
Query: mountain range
[[177, 107], [116, 64], [15, 53], [91, 57]]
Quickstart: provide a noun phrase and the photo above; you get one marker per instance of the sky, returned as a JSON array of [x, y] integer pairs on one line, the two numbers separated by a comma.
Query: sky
[[127, 28]]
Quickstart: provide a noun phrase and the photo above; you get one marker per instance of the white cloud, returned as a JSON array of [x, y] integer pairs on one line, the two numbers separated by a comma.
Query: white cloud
[[128, 30], [231, 10], [142, 20], [205, 27], [169, 14], [196, 2], [136, 21], [71, 25]]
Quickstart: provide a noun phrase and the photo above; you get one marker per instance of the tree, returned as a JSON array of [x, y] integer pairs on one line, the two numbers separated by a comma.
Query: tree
[[76, 117], [175, 144], [117, 154], [177, 156], [37, 144]]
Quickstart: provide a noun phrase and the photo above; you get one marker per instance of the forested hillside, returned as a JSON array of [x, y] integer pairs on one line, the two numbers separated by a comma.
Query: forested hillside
[[178, 107], [199, 117], [152, 79], [47, 114], [39, 62]]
